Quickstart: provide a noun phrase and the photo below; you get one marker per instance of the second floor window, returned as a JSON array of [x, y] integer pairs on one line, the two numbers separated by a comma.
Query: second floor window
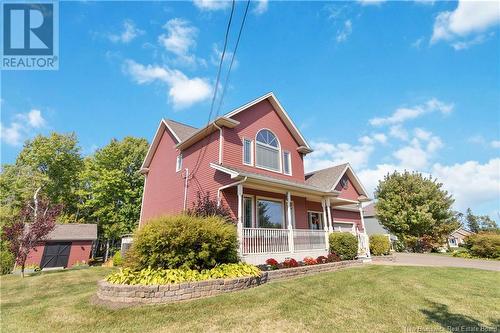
[[178, 164], [287, 163], [267, 151], [247, 151]]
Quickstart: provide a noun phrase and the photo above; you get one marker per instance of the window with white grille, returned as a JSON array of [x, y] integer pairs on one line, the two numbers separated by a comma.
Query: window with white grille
[[267, 151]]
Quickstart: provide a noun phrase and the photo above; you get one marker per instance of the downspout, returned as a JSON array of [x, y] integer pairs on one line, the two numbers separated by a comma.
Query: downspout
[[185, 188], [221, 137], [227, 186]]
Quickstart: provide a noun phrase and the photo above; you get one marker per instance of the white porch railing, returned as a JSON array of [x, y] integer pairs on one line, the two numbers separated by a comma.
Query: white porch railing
[[309, 239], [265, 240], [268, 240]]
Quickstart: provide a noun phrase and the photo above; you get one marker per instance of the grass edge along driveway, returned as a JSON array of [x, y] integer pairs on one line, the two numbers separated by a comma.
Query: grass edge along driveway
[[370, 298]]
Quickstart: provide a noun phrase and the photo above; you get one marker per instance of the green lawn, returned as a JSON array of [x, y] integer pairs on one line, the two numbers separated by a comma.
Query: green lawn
[[371, 298]]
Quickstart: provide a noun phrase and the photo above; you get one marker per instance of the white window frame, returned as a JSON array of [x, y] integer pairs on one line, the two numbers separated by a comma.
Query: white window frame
[[320, 217], [271, 147], [251, 152], [257, 222], [353, 225], [252, 222], [289, 163], [178, 163]]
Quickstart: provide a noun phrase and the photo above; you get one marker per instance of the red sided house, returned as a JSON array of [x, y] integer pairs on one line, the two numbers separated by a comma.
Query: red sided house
[[252, 160], [64, 246]]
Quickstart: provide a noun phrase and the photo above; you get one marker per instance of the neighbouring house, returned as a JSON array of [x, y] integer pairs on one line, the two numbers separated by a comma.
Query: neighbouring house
[[64, 246], [373, 226], [252, 160], [456, 238]]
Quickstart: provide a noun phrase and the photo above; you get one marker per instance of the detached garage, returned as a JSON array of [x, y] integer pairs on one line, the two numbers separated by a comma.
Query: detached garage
[[66, 245]]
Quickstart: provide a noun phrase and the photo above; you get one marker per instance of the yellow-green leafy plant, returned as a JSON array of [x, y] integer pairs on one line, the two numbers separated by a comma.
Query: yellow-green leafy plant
[[150, 276]]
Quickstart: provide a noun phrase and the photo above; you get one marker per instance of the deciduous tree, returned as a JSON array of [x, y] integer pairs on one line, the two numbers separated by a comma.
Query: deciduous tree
[[415, 208]]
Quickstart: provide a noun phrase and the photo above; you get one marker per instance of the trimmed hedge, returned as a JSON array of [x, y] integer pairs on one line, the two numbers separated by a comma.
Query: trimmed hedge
[[484, 245], [183, 241], [344, 244], [379, 244]]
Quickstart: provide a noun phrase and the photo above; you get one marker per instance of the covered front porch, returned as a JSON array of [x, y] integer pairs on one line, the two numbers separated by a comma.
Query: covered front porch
[[275, 221]]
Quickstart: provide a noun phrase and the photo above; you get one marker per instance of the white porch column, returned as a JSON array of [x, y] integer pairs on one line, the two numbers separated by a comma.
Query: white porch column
[[366, 242], [325, 226], [240, 218], [289, 220], [329, 213]]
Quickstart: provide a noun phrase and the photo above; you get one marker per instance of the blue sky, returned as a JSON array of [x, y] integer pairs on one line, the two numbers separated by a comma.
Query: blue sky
[[382, 85]]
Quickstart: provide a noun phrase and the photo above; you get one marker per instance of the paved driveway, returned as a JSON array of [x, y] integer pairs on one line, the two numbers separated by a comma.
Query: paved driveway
[[443, 261]]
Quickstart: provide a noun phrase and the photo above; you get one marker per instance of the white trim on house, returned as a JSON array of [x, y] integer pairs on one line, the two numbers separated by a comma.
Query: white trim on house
[[280, 161], [357, 183], [289, 164], [257, 198], [178, 163], [252, 222], [251, 152], [281, 112]]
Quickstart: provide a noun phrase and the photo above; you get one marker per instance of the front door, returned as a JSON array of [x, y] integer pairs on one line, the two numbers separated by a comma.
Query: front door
[[56, 254]]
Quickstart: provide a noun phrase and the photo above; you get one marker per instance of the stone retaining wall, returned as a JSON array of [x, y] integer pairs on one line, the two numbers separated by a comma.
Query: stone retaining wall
[[306, 270], [155, 294]]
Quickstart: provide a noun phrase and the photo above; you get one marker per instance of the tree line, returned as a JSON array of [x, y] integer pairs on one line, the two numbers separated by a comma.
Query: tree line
[[104, 188]]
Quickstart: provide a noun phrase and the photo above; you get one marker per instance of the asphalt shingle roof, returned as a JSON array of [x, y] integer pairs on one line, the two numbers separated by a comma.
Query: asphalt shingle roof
[[325, 178], [183, 131], [73, 231]]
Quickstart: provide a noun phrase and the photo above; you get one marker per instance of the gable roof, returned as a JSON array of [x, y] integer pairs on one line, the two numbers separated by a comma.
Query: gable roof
[[73, 231], [187, 135], [462, 231], [304, 146], [328, 178], [179, 130]]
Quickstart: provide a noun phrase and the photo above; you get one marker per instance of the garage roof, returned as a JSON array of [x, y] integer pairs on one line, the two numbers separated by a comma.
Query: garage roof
[[73, 231]]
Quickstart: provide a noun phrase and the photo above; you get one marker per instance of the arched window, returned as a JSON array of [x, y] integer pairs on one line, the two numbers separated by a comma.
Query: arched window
[[267, 148]]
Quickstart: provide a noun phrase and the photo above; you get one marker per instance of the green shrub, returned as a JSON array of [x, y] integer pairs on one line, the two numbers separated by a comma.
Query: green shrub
[[379, 245], [6, 260], [117, 259], [344, 244], [183, 241], [151, 276], [484, 245], [461, 254]]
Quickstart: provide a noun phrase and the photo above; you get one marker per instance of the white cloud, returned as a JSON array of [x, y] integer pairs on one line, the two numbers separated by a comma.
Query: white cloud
[[380, 137], [211, 5], [418, 43], [261, 7], [403, 114], [471, 183], [217, 54], [180, 37], [182, 90], [371, 2], [495, 143], [468, 18], [23, 125], [465, 44], [11, 135], [344, 32], [129, 33], [398, 132], [35, 118]]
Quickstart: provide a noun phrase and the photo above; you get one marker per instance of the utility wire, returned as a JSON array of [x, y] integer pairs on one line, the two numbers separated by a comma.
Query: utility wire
[[201, 153], [226, 82]]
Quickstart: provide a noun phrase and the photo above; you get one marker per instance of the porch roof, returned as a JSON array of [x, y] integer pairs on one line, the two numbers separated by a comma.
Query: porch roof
[[238, 173]]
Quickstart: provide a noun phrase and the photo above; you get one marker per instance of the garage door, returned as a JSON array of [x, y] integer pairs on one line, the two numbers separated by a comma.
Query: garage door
[[343, 226], [56, 254]]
